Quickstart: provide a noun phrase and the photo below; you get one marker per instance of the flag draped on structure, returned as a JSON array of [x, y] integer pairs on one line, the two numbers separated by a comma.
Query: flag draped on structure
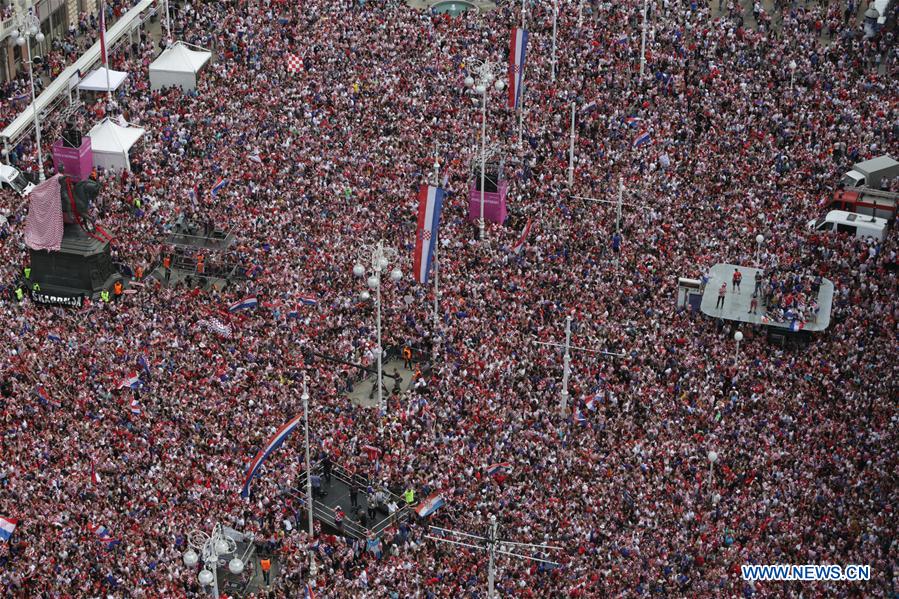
[[44, 226], [516, 64], [430, 202], [270, 446]]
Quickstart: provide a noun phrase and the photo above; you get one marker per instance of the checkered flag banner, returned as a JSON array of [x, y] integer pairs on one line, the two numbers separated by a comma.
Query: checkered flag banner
[[216, 326], [44, 227], [294, 63]]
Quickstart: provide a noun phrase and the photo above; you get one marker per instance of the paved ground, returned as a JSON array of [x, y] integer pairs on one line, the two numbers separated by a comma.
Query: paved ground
[[362, 390]]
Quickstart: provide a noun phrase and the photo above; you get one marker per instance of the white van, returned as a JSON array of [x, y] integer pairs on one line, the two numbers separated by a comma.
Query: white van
[[11, 176], [857, 225]]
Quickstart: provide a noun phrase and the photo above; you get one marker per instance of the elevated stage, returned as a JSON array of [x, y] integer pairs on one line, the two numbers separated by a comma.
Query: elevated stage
[[736, 305]]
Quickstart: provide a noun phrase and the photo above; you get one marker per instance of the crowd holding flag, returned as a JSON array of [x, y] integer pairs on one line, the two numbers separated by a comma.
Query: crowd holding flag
[[517, 53], [430, 202]]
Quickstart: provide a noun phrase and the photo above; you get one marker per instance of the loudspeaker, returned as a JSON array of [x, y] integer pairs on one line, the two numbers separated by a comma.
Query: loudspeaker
[[71, 137], [489, 180]]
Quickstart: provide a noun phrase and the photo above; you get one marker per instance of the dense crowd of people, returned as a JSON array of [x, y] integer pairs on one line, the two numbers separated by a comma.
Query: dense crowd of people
[[322, 162]]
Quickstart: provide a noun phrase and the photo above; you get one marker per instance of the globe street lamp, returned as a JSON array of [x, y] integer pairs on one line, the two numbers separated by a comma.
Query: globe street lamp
[[713, 457], [380, 260], [28, 26], [486, 73], [738, 336], [792, 66], [209, 549], [759, 240]]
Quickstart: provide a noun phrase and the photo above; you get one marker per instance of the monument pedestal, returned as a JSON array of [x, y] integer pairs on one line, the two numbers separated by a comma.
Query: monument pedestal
[[82, 266]]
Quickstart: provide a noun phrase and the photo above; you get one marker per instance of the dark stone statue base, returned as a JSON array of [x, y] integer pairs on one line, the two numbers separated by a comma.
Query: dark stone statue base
[[82, 265]]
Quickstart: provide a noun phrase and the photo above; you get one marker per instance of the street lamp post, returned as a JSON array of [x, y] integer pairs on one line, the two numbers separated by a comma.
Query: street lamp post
[[555, 27], [792, 74], [380, 260], [571, 150], [643, 41], [211, 548], [713, 457], [313, 571], [738, 336], [28, 26], [486, 72], [759, 240]]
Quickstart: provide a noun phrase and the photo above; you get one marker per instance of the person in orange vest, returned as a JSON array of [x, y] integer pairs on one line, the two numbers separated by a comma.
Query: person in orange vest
[[139, 273], [266, 565], [117, 288], [407, 357], [200, 266], [167, 265]]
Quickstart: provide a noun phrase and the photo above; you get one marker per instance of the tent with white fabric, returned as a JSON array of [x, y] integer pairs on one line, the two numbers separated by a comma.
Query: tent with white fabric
[[178, 66], [96, 81], [111, 142]]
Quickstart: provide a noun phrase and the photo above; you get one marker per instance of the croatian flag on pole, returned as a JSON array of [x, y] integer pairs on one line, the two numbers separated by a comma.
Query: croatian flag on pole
[[7, 527], [244, 304], [642, 139], [516, 64], [270, 446], [218, 187], [309, 594], [498, 468], [430, 201], [131, 382], [430, 505], [103, 536], [524, 237]]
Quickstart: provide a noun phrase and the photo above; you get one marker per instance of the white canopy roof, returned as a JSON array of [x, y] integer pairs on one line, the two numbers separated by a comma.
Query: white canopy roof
[[106, 136], [178, 58], [96, 81]]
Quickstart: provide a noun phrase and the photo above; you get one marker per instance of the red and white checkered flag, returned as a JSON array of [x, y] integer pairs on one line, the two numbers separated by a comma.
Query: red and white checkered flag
[[294, 63], [44, 227]]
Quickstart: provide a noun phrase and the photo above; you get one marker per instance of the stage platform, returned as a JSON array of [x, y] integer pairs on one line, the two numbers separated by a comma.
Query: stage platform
[[337, 493], [736, 304]]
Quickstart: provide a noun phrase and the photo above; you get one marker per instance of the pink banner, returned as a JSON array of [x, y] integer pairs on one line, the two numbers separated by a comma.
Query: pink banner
[[494, 204], [77, 163]]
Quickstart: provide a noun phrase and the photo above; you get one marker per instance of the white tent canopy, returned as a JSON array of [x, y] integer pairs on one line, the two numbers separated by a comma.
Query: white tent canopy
[[178, 66], [96, 81], [111, 142]]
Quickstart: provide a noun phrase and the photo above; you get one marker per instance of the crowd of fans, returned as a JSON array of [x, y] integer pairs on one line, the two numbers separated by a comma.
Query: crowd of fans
[[321, 162]]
